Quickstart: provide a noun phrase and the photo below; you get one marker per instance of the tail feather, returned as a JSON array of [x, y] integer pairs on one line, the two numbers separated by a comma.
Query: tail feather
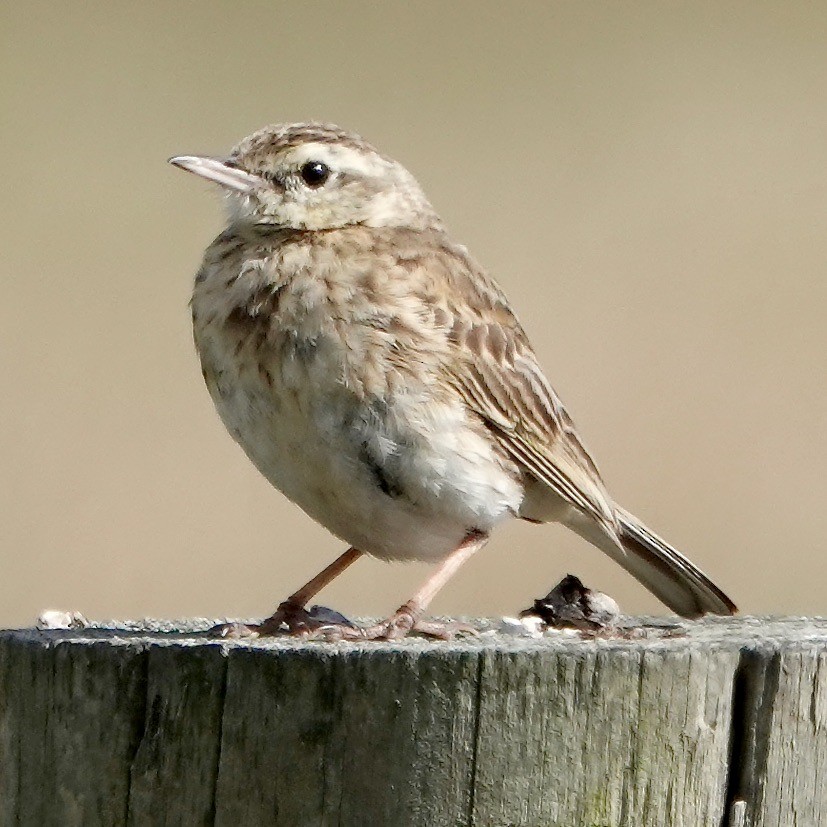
[[671, 577]]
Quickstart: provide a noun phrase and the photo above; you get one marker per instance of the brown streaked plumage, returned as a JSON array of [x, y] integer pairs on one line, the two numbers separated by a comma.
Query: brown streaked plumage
[[377, 375]]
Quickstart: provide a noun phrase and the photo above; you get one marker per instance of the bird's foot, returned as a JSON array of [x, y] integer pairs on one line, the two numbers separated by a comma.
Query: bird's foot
[[288, 619], [400, 624], [321, 623]]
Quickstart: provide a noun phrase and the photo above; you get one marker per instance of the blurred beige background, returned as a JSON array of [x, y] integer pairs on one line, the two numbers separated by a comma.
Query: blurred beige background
[[647, 180]]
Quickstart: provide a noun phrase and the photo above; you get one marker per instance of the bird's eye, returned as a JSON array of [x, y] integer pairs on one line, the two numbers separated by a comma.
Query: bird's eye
[[315, 173]]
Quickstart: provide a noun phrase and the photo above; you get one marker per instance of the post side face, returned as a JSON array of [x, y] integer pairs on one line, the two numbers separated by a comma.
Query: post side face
[[622, 737], [121, 726], [174, 768], [75, 719], [375, 738], [785, 775]]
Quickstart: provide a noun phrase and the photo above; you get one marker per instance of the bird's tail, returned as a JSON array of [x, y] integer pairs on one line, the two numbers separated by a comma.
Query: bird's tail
[[670, 576]]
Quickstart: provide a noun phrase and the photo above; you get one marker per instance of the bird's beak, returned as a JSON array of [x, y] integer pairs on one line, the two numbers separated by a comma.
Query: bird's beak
[[213, 169]]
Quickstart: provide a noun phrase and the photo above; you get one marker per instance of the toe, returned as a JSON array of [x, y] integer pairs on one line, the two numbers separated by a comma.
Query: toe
[[233, 631], [444, 631]]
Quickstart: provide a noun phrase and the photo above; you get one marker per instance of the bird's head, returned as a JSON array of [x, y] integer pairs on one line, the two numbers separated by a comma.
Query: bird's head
[[310, 176]]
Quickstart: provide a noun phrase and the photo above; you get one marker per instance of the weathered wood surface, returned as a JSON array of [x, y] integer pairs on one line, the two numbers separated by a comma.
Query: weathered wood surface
[[722, 722]]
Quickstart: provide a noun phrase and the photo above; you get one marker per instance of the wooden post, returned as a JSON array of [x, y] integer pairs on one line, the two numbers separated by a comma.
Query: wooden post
[[720, 722]]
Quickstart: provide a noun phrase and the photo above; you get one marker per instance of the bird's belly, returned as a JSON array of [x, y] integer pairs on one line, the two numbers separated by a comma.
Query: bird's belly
[[404, 483]]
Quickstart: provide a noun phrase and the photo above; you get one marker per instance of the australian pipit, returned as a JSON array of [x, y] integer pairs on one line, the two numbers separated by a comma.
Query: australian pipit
[[378, 377]]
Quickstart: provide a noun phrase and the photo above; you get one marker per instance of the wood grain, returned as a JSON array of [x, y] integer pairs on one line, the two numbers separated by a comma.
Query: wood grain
[[719, 722]]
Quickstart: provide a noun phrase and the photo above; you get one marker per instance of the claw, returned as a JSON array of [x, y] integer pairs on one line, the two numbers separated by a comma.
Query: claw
[[396, 627], [233, 631], [444, 631], [288, 619], [321, 623]]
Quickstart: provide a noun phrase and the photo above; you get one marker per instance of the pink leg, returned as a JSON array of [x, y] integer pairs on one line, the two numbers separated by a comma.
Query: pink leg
[[327, 575], [407, 617], [291, 611]]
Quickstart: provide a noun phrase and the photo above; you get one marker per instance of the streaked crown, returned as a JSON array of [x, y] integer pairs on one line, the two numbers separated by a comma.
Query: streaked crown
[[312, 176]]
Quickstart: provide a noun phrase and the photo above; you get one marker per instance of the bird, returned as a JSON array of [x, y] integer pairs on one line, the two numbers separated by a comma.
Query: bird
[[378, 377]]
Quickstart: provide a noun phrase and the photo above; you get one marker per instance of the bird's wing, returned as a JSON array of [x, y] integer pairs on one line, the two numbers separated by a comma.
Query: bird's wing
[[494, 368]]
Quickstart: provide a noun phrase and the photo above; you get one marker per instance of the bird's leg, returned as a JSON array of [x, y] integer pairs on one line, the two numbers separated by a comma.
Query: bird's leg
[[291, 612], [407, 617]]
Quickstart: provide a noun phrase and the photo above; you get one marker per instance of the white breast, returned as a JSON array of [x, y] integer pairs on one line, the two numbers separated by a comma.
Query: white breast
[[400, 472], [406, 483]]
